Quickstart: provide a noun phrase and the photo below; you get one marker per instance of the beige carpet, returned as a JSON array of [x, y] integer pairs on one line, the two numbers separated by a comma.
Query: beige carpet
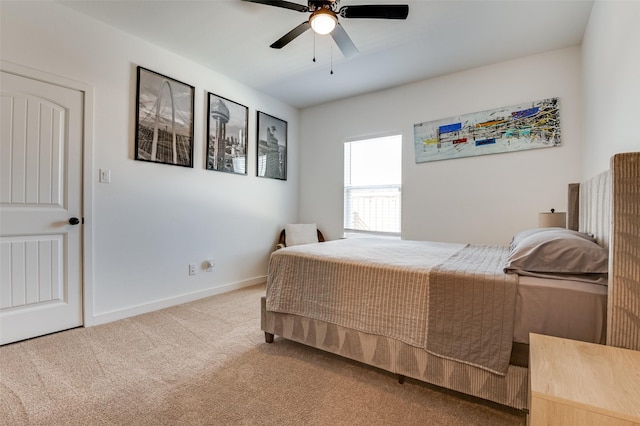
[[206, 363]]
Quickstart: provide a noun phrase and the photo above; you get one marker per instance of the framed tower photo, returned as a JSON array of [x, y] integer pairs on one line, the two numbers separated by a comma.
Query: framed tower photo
[[227, 124]]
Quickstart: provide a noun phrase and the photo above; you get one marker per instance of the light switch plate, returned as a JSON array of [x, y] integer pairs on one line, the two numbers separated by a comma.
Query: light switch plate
[[105, 176]]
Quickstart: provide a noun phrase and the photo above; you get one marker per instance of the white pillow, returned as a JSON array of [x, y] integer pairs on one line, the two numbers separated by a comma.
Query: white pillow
[[300, 233]]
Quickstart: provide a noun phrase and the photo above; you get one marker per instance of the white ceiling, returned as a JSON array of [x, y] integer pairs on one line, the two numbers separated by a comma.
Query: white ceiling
[[439, 37]]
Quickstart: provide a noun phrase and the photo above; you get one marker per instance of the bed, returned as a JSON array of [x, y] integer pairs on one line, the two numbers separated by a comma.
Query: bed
[[449, 314]]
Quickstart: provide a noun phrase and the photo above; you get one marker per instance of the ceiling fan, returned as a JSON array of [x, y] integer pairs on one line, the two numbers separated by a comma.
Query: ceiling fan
[[324, 19]]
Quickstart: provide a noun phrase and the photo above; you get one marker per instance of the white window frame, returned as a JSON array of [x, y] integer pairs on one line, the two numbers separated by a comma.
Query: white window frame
[[390, 194]]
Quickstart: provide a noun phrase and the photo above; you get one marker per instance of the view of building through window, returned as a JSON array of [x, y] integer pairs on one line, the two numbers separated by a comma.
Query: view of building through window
[[373, 186]]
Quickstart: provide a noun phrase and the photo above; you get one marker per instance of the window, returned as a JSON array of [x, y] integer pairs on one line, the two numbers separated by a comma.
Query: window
[[373, 186]]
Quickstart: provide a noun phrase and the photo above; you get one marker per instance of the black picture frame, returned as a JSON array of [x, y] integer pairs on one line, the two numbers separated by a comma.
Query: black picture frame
[[227, 127], [164, 119], [271, 156]]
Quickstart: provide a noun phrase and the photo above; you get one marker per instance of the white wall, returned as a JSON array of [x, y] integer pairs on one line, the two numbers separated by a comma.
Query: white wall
[[611, 94], [153, 219], [477, 199]]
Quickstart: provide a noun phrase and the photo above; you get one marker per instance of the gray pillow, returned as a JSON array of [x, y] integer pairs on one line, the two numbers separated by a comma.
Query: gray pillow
[[556, 251], [550, 231]]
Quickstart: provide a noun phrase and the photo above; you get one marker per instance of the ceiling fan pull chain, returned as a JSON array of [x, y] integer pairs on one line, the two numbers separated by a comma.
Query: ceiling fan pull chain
[[314, 47], [331, 59]]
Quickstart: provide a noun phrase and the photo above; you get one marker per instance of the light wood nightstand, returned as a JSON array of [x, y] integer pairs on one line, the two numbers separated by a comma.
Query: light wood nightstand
[[578, 383]]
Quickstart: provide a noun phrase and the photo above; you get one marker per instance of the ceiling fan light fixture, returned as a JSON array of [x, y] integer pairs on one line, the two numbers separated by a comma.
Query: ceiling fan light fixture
[[323, 21]]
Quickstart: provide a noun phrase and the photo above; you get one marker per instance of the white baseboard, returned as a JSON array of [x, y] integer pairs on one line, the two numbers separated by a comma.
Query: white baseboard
[[172, 301]]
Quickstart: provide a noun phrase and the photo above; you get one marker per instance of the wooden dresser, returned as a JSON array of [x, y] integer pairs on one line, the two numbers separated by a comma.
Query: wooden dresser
[[578, 383]]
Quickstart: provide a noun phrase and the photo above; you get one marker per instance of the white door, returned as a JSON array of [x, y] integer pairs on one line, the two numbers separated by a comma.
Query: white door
[[40, 192]]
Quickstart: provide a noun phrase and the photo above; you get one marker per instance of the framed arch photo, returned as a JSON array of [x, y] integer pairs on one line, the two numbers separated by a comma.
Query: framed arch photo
[[164, 119]]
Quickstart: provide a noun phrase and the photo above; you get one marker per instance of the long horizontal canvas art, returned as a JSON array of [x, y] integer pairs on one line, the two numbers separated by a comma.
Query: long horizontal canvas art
[[513, 128]]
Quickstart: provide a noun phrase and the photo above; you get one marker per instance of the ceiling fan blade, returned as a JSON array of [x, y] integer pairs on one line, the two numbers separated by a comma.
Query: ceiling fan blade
[[288, 37], [283, 4], [375, 11], [344, 42]]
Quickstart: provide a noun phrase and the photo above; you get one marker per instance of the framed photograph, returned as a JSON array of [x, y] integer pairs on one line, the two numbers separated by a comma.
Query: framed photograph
[[272, 147], [164, 119], [227, 124]]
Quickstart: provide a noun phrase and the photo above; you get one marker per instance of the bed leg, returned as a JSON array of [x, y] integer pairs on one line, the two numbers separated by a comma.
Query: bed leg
[[268, 337], [400, 379]]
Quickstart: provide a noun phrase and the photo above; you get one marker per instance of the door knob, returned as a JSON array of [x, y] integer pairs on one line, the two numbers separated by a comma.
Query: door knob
[[74, 221]]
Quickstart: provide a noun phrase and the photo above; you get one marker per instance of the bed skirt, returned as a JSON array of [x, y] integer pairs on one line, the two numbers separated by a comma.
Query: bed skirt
[[397, 357]]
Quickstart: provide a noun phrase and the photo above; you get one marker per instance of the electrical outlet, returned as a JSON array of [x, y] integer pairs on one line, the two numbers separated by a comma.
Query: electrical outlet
[[210, 264], [192, 269]]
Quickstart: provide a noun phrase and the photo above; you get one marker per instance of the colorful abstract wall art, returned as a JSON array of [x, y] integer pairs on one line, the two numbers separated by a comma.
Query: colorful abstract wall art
[[513, 128]]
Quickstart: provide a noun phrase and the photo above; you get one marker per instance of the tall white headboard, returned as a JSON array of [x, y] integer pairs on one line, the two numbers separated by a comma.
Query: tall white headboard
[[610, 210], [595, 207]]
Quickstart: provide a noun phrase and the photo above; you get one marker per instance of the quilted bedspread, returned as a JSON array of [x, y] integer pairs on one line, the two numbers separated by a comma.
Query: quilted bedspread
[[450, 299]]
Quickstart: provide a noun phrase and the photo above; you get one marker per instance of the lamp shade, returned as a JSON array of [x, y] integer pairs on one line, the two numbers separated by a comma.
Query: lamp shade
[[552, 219], [323, 21]]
